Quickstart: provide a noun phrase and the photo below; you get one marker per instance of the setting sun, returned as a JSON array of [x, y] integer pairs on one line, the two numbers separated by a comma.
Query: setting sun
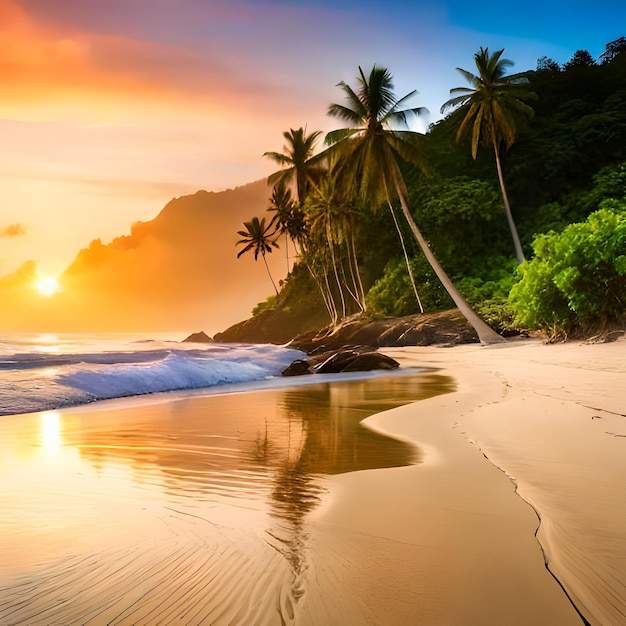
[[47, 286]]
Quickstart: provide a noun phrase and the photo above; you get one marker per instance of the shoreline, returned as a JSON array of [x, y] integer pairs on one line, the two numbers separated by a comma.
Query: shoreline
[[514, 514], [548, 420]]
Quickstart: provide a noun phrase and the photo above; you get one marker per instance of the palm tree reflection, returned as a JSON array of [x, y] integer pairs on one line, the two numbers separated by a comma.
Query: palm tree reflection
[[326, 437]]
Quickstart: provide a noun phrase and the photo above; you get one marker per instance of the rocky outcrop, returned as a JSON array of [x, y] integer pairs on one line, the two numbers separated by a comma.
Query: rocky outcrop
[[446, 328], [200, 337], [311, 331], [273, 326]]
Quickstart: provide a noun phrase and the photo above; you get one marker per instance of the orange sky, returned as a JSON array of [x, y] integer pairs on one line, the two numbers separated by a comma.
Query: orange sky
[[110, 109]]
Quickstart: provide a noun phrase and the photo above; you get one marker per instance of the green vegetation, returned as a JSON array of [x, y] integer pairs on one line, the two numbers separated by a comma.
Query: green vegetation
[[577, 278], [376, 216], [489, 109]]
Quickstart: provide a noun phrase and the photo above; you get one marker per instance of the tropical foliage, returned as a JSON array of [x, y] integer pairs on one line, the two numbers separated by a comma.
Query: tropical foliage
[[578, 276], [257, 237], [351, 216], [489, 111]]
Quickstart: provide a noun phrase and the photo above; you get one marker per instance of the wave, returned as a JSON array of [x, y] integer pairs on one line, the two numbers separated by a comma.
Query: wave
[[45, 380]]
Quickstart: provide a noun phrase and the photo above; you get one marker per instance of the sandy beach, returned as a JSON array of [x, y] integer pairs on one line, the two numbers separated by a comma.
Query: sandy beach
[[510, 510], [551, 419]]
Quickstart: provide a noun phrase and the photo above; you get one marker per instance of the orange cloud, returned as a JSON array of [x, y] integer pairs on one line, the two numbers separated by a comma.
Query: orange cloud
[[13, 230], [66, 71]]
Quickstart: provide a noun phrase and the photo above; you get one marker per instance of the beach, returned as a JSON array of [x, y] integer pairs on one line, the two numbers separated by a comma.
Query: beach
[[550, 418], [503, 500]]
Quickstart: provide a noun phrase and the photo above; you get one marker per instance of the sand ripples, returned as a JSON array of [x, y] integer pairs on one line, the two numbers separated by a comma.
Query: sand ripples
[[190, 512]]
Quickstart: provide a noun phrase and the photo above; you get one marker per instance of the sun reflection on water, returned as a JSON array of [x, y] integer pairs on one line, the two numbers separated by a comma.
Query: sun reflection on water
[[50, 431]]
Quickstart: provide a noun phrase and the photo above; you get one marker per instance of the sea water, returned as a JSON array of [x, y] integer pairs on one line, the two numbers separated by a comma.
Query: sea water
[[40, 372]]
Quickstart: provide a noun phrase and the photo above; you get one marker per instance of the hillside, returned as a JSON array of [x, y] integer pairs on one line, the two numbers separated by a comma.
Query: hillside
[[176, 272]]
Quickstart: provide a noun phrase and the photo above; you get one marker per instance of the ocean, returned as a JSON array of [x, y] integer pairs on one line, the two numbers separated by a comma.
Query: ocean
[[42, 372]]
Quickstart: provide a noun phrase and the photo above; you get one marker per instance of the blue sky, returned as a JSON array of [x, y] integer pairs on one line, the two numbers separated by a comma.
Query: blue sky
[[110, 109]]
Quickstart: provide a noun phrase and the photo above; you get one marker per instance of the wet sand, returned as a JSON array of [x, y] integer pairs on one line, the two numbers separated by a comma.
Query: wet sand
[[182, 508], [269, 522]]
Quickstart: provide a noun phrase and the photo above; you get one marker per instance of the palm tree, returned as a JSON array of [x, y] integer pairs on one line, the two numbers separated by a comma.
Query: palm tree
[[257, 237], [330, 214], [369, 151], [297, 161], [489, 109], [284, 209]]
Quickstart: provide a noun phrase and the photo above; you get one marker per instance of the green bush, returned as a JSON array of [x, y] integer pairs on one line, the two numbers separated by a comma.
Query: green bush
[[266, 305], [577, 278], [392, 294]]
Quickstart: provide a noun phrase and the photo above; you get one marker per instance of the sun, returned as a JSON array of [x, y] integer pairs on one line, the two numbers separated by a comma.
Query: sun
[[47, 286]]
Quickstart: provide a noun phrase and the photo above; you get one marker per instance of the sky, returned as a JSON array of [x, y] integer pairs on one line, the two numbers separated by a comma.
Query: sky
[[110, 109]]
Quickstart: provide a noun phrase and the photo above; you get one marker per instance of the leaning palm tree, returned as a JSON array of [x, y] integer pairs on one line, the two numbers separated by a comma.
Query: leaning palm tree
[[258, 238], [489, 109], [296, 161], [369, 150]]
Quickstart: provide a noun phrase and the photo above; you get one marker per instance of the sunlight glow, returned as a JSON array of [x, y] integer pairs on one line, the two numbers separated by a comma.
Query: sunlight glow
[[51, 431], [47, 286]]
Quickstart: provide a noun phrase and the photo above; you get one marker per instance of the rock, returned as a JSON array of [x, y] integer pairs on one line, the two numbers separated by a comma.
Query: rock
[[200, 337], [352, 359], [444, 328], [336, 362], [368, 361], [299, 367]]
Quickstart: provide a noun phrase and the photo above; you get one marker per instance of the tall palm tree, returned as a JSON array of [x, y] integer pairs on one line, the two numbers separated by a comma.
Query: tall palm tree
[[489, 109], [296, 160], [369, 149], [257, 237]]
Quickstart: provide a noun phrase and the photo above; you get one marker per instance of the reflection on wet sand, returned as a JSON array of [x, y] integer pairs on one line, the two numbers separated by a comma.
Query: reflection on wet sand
[[191, 511]]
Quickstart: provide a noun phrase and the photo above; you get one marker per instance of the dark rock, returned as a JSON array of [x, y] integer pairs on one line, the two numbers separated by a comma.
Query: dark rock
[[442, 328], [336, 362], [200, 337], [368, 361], [299, 367], [352, 359]]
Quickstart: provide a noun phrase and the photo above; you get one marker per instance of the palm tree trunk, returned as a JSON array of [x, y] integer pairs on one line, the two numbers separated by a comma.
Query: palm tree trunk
[[335, 314], [406, 257], [353, 266], [507, 209], [267, 267], [485, 333], [357, 272], [331, 247], [329, 308]]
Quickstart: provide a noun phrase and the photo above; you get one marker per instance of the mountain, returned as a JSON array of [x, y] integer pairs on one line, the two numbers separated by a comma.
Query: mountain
[[177, 272]]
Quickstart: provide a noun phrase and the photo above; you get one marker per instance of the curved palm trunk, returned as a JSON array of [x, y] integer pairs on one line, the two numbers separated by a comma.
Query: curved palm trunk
[[267, 267], [406, 257], [486, 334], [519, 254]]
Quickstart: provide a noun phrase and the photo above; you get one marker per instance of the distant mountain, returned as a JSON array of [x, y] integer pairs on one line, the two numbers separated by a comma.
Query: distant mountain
[[177, 272]]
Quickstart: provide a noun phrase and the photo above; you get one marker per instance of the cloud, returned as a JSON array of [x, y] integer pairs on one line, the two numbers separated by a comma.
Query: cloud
[[12, 230]]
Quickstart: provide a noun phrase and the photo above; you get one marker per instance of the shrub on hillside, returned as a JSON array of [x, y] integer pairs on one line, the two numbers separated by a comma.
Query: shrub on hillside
[[577, 278]]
